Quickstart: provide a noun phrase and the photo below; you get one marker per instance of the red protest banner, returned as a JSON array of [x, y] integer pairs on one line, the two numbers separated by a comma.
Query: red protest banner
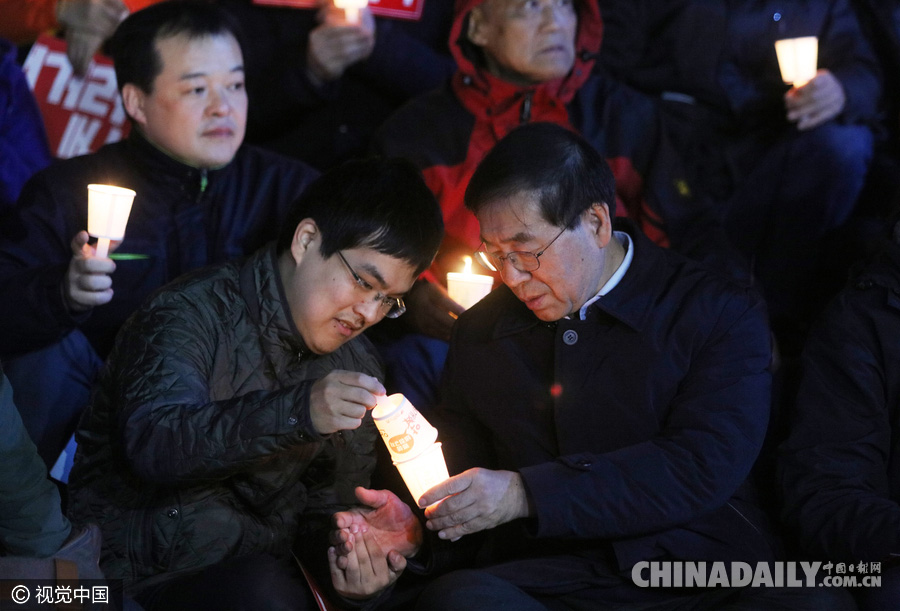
[[397, 9], [80, 114]]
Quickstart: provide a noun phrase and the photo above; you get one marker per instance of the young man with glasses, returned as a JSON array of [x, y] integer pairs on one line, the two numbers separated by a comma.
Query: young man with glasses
[[231, 421], [602, 409]]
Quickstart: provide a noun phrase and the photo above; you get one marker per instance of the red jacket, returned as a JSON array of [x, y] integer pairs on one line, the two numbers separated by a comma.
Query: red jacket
[[449, 131]]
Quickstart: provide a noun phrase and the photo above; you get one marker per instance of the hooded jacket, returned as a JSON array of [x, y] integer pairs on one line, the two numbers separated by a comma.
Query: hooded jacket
[[446, 133]]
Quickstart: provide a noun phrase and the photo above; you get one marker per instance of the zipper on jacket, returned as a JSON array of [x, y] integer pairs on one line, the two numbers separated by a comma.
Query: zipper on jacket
[[525, 115], [204, 180]]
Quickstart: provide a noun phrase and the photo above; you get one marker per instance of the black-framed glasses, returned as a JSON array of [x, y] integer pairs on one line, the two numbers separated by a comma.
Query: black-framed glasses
[[392, 306], [520, 259]]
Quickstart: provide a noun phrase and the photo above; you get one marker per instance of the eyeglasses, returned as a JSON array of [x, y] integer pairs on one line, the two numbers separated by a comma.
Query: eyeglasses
[[522, 260], [392, 306]]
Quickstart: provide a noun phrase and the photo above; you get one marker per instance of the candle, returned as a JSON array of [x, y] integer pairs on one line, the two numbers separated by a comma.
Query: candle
[[467, 288], [411, 441], [424, 471], [797, 59], [108, 211], [351, 9]]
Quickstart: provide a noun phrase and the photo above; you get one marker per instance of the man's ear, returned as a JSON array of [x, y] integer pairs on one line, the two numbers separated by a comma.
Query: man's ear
[[477, 31], [305, 239], [133, 98], [597, 217]]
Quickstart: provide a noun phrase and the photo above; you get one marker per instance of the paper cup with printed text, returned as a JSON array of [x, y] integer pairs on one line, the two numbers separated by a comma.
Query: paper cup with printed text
[[405, 431]]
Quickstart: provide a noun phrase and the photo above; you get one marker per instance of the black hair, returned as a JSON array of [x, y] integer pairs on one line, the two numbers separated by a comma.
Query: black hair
[[377, 203], [133, 45], [565, 172]]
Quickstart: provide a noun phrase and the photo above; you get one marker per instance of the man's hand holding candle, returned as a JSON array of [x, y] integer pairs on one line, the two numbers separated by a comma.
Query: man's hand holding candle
[[816, 102], [335, 45], [430, 310], [477, 499], [88, 281]]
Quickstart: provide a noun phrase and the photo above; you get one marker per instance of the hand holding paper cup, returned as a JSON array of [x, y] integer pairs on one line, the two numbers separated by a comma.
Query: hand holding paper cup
[[108, 211], [411, 441], [797, 59]]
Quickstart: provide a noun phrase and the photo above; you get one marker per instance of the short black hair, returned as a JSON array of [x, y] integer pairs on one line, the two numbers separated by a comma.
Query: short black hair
[[133, 45], [565, 172], [378, 203]]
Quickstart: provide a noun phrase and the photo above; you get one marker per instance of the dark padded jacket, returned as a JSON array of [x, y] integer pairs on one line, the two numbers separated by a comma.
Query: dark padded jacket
[[198, 445], [183, 218], [840, 467]]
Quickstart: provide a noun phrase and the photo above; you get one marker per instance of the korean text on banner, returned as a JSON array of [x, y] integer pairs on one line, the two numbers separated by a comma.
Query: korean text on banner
[[80, 114]]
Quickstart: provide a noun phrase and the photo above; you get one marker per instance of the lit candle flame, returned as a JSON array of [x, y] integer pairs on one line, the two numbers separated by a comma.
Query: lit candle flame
[[468, 264], [351, 9]]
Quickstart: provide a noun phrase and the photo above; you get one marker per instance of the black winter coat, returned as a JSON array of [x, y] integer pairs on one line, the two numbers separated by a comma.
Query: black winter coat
[[634, 430]]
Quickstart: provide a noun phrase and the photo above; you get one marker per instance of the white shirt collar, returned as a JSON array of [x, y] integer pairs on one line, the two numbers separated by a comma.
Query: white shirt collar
[[614, 280]]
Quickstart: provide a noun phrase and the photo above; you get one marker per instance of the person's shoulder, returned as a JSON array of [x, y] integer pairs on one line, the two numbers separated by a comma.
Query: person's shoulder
[[200, 288], [686, 289], [263, 161], [870, 301], [500, 310], [426, 120], [88, 166]]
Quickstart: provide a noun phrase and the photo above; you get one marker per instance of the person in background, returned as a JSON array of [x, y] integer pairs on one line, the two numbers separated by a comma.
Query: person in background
[[85, 24], [202, 198], [838, 468], [23, 140], [784, 164], [31, 519], [336, 82]]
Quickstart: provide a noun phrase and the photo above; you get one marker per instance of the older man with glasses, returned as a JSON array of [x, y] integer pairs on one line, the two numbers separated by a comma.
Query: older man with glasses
[[231, 421], [601, 411]]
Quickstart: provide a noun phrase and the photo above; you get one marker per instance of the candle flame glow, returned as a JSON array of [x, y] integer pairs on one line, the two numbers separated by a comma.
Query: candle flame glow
[[468, 264]]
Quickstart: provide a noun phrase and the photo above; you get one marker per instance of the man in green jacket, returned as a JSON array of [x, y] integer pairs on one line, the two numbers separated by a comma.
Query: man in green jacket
[[231, 421]]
